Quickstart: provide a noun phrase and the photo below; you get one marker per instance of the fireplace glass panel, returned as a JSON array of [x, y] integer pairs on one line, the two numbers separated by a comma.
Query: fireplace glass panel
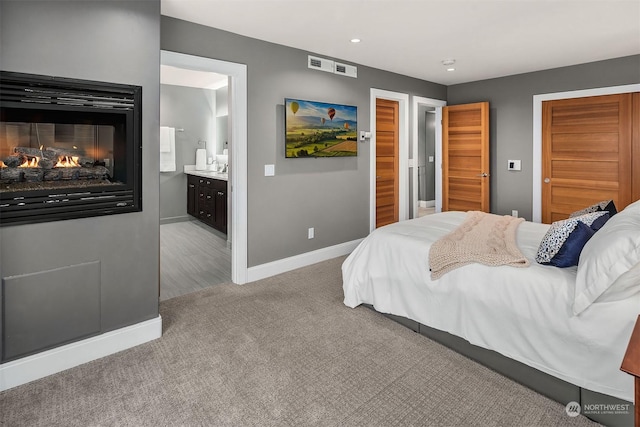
[[68, 148], [59, 155]]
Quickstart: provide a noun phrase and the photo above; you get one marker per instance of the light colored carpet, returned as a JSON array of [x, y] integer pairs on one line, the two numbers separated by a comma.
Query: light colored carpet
[[283, 351]]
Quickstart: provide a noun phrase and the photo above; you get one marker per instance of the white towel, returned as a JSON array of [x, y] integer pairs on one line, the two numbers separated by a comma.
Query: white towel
[[167, 149]]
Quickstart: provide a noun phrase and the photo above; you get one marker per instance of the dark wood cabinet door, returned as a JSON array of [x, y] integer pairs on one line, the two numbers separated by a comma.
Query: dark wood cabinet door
[[192, 188], [221, 210], [207, 201]]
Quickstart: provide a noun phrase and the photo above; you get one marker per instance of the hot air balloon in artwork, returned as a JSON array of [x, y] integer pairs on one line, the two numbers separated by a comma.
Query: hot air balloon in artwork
[[346, 125], [331, 112], [322, 119], [294, 107]]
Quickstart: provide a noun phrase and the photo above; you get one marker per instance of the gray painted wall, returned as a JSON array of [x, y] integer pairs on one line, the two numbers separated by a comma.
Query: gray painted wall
[[193, 110], [511, 118], [112, 41], [331, 195]]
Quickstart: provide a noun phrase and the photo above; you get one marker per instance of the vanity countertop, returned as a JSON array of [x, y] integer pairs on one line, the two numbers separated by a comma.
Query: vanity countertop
[[191, 170]]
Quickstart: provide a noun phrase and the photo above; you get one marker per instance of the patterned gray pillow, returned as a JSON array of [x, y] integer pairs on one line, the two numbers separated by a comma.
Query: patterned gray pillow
[[593, 208], [559, 232]]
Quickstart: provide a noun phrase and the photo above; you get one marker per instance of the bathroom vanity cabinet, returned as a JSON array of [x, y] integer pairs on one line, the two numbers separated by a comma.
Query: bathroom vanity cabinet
[[207, 201]]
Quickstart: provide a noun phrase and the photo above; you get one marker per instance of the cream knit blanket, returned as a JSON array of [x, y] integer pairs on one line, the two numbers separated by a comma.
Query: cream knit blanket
[[483, 238]]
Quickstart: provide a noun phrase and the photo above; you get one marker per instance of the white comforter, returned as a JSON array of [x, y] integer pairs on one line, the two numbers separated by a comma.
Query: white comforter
[[522, 313]]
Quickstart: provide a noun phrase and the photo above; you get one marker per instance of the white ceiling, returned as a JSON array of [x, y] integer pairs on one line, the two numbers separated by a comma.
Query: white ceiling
[[170, 75], [487, 38]]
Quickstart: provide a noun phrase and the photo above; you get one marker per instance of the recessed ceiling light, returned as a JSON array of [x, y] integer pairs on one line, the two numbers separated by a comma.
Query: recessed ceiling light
[[451, 69], [355, 40]]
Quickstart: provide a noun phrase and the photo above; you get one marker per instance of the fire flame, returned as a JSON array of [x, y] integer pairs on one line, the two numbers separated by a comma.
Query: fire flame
[[67, 162], [2, 165], [33, 163]]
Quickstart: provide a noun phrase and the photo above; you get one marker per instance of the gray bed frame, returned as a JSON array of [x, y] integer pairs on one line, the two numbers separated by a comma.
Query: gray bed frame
[[545, 384]]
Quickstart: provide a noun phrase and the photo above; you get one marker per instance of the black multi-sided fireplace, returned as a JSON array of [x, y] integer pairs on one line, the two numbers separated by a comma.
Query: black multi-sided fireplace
[[68, 148]]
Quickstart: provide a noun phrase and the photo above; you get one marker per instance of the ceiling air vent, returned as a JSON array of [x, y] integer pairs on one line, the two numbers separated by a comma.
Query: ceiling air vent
[[346, 70], [321, 64]]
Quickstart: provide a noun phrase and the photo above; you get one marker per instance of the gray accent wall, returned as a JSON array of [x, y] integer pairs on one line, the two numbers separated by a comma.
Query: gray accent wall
[[511, 119], [331, 195], [111, 41], [193, 110]]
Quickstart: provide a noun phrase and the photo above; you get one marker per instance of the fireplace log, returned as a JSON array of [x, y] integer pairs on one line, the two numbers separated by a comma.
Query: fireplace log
[[97, 172], [69, 173], [15, 160], [51, 175], [54, 153], [9, 175], [100, 172], [46, 163], [33, 174], [28, 151]]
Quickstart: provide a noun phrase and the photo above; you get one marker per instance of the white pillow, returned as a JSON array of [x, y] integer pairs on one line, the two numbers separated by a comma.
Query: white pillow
[[626, 285], [611, 252]]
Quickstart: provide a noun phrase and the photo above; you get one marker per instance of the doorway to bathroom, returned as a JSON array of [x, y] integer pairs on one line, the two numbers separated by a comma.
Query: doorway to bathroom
[[427, 156], [201, 110], [426, 160]]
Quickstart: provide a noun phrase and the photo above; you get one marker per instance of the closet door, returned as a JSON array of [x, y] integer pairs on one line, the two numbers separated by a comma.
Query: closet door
[[387, 146], [465, 157], [586, 153]]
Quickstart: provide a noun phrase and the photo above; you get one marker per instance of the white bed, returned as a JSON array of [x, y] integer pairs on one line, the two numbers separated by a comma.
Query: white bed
[[525, 314]]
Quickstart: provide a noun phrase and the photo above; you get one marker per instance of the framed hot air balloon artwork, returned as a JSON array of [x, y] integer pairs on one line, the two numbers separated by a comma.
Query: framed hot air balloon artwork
[[320, 129]]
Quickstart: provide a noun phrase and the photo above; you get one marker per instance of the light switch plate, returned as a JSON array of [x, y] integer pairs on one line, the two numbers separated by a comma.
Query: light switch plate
[[514, 165], [269, 170]]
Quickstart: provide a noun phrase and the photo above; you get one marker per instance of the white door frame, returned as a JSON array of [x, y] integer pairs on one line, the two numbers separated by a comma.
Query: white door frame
[[403, 153], [537, 133], [417, 101], [237, 149]]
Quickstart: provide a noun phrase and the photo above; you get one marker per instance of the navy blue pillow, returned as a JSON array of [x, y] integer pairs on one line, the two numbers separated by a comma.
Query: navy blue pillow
[[599, 222], [569, 253], [611, 208]]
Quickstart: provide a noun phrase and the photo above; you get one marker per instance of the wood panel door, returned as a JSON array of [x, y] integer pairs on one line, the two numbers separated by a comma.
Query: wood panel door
[[387, 145], [586, 153], [465, 157]]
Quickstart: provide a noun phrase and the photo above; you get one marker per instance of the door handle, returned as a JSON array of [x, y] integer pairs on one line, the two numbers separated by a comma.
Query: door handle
[[547, 180], [483, 174]]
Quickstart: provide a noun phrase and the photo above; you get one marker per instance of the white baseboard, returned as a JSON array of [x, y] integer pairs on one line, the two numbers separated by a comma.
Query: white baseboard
[[426, 203], [269, 269], [30, 368]]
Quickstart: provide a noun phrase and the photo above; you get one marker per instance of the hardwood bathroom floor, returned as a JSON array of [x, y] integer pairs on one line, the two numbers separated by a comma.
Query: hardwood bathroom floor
[[193, 256]]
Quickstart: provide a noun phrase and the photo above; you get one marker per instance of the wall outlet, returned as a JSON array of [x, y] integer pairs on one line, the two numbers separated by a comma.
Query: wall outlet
[[310, 233], [514, 213]]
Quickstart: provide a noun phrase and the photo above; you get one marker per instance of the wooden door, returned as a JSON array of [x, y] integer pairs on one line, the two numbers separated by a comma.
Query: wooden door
[[387, 141], [465, 157], [586, 153]]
